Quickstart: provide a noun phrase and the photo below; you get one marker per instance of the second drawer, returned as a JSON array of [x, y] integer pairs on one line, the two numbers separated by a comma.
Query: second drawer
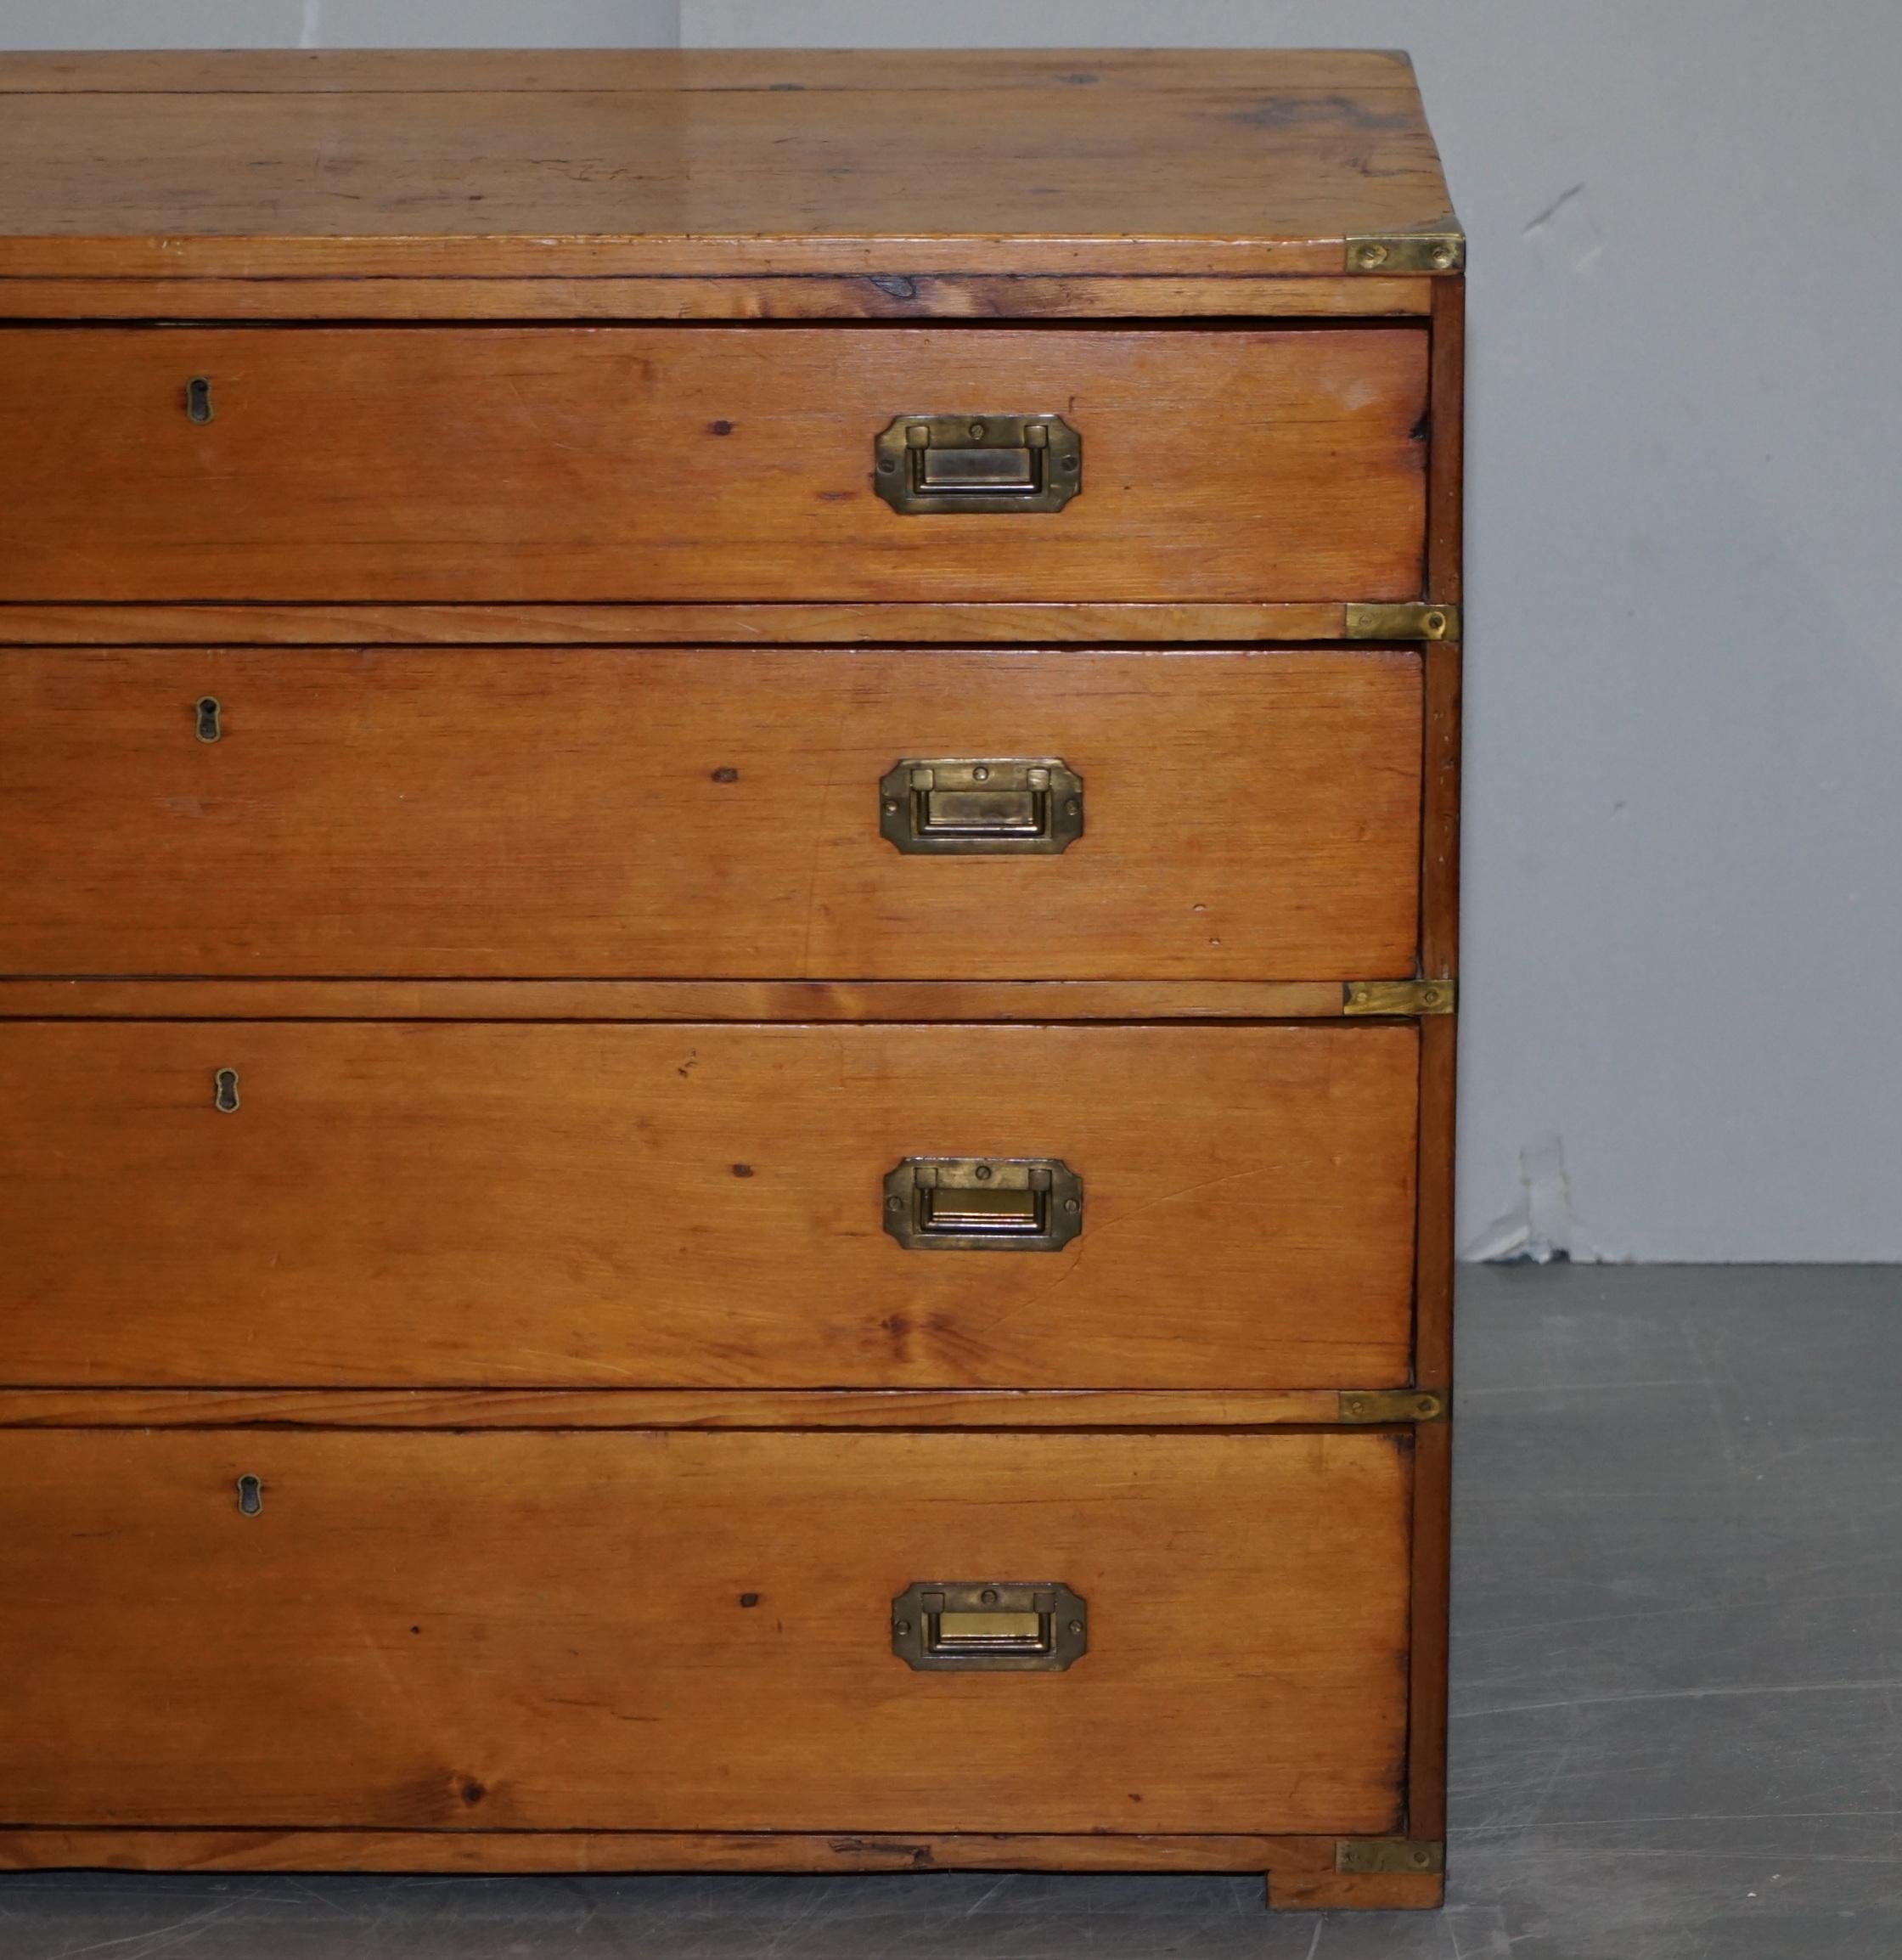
[[283, 1204], [710, 814]]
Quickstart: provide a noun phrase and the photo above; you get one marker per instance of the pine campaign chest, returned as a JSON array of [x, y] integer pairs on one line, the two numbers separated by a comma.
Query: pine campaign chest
[[729, 824]]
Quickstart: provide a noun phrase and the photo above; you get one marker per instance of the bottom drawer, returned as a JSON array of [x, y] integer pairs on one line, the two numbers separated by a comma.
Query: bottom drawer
[[694, 1631]]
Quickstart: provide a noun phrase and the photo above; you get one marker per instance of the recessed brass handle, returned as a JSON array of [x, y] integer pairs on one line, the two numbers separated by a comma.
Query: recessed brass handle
[[980, 805], [965, 1204], [977, 462], [989, 1625]]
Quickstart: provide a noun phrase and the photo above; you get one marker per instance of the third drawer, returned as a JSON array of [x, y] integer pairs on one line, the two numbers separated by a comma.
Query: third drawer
[[283, 1204], [711, 814]]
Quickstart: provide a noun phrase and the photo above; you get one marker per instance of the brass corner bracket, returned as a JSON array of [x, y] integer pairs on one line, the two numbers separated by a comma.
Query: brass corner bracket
[[1414, 620], [1388, 1854], [1408, 251], [1400, 997], [1393, 1405]]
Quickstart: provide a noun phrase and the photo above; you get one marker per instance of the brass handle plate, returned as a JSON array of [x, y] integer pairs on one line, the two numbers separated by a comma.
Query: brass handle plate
[[967, 1204], [980, 805], [989, 1625], [977, 462]]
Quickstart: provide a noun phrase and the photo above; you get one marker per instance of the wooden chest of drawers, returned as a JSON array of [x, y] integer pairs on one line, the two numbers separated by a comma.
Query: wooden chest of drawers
[[729, 795]]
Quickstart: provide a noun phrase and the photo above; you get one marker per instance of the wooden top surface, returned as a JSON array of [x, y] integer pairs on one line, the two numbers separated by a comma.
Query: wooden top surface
[[573, 163]]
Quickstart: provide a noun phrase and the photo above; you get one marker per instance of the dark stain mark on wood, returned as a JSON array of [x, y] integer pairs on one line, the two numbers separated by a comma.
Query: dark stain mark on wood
[[726, 776], [895, 288], [916, 1855], [748, 1599], [719, 426], [1302, 112], [742, 1170]]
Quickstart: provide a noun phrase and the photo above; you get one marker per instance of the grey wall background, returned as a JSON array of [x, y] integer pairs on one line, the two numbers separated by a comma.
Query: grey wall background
[[1684, 851]]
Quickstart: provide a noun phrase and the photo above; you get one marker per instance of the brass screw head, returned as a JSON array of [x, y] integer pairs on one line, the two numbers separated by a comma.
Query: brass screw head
[[1370, 256], [1443, 256]]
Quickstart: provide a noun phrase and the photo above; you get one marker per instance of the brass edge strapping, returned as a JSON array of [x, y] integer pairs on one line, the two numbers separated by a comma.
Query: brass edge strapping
[[1408, 251], [1412, 619], [1399, 997], [1388, 1854], [1393, 1405]]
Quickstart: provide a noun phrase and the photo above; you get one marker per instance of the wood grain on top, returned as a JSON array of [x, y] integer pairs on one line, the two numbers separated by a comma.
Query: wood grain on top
[[583, 163]]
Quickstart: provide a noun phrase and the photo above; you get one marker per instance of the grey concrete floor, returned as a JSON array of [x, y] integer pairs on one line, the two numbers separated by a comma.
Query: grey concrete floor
[[1676, 1658]]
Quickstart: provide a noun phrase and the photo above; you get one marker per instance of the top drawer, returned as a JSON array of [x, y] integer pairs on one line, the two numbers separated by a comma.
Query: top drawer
[[561, 464]]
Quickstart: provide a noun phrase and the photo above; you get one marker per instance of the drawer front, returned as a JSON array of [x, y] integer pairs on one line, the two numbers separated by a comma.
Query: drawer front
[[665, 463], [701, 814], [694, 1632], [703, 1205]]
